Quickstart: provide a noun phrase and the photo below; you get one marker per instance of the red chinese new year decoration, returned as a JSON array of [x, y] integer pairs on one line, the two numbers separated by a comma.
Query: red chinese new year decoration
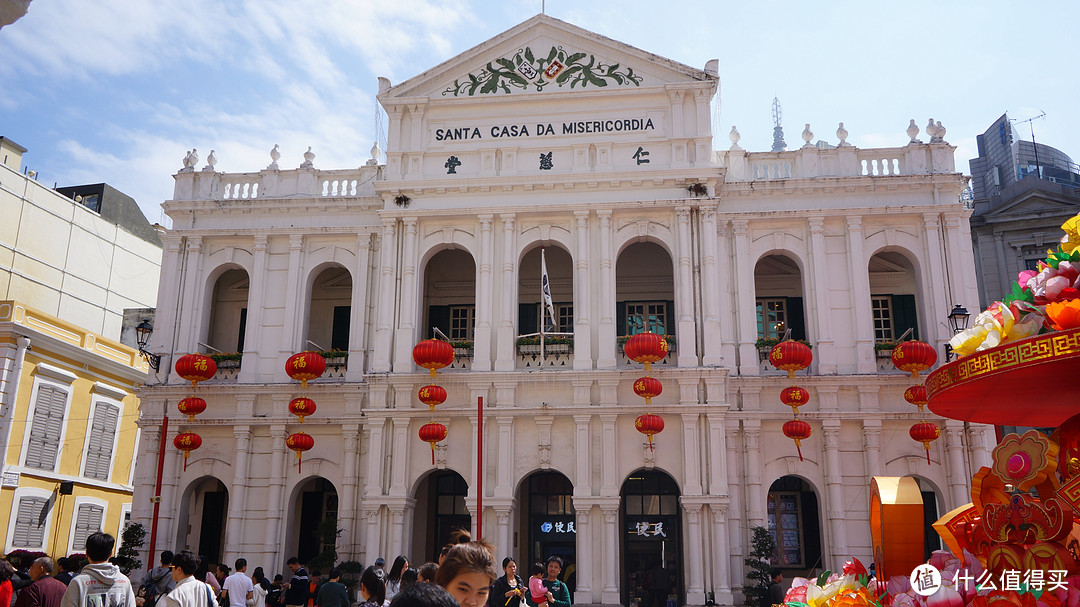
[[302, 407], [914, 356], [646, 348], [649, 424], [187, 442], [794, 397], [432, 395], [196, 368], [191, 406], [925, 433], [797, 430], [305, 366], [916, 395], [791, 356], [647, 388], [433, 354], [299, 442], [432, 432]]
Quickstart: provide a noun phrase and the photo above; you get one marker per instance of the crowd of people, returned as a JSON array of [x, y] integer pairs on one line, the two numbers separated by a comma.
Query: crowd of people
[[465, 576]]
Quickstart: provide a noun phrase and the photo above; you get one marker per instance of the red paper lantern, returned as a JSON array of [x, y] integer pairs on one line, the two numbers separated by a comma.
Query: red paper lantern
[[925, 433], [916, 395], [191, 406], [432, 395], [647, 388], [794, 397], [431, 433], [649, 424], [305, 366], [196, 368], [433, 354], [797, 430], [299, 442], [914, 356], [187, 442], [302, 407], [791, 356], [646, 348]]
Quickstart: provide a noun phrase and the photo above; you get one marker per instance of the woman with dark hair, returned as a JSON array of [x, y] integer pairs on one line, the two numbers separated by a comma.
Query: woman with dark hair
[[6, 571], [372, 589], [261, 588], [393, 579], [509, 588], [467, 573]]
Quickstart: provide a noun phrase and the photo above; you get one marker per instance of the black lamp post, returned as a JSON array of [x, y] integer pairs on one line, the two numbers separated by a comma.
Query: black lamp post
[[142, 336], [958, 320]]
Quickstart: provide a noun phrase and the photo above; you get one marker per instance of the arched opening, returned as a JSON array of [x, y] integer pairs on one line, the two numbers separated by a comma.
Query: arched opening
[[440, 510], [778, 293], [329, 310], [893, 285], [644, 292], [931, 513], [228, 312], [314, 523], [201, 524], [531, 314], [547, 513], [450, 296], [651, 540], [793, 521]]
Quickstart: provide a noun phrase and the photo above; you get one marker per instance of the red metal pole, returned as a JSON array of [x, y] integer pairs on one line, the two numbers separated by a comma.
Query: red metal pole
[[157, 488], [480, 468]]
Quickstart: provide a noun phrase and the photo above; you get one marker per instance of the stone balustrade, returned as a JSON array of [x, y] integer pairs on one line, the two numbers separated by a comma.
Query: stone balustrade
[[272, 183], [848, 161]]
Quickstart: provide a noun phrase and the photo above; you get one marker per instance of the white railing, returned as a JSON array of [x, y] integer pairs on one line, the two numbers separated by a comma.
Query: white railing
[[237, 185], [314, 183], [848, 161]]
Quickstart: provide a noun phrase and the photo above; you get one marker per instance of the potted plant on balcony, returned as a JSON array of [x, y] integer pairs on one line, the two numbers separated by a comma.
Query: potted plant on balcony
[[462, 347], [335, 358], [883, 349], [227, 360], [554, 344]]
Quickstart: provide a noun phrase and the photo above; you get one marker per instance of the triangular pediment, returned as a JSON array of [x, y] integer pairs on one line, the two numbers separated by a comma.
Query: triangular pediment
[[543, 55], [1033, 203]]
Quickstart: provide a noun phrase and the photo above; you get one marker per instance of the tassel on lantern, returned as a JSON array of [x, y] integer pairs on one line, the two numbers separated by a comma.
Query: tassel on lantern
[[797, 430]]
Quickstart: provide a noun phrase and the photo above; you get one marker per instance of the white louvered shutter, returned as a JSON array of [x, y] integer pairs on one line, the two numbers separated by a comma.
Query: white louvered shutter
[[46, 428], [102, 435], [30, 523], [87, 521]]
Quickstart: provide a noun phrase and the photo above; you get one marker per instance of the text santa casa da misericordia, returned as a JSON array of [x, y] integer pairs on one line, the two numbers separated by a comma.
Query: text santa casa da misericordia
[[544, 128]]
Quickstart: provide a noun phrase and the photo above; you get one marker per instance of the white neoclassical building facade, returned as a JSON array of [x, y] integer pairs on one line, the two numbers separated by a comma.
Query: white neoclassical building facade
[[552, 138]]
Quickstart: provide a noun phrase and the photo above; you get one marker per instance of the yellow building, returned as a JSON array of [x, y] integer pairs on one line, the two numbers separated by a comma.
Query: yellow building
[[67, 431]]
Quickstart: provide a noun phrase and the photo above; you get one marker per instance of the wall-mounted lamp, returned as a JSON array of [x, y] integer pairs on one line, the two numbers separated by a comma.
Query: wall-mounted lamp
[[958, 321], [142, 336]]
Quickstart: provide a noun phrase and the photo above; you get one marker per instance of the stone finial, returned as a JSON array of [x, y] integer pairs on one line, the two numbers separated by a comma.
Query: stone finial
[[931, 129], [841, 134], [939, 133], [211, 160], [275, 155], [309, 158], [734, 136], [375, 154], [194, 158], [187, 162], [913, 132], [807, 135]]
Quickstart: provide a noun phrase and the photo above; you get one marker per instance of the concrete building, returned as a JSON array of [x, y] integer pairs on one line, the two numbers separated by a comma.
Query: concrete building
[[1022, 193], [67, 385], [550, 137]]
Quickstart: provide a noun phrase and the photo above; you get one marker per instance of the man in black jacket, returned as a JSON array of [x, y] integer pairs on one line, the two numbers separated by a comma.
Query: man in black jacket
[[297, 588]]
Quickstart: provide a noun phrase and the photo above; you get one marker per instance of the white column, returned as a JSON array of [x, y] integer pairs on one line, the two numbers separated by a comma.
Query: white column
[[729, 346], [291, 335], [164, 335], [583, 548], [274, 512], [249, 365], [582, 448], [692, 536], [609, 482], [710, 291], [872, 447], [504, 483], [724, 556], [933, 287], [482, 331], [234, 536], [834, 489], [606, 358], [407, 309], [691, 452], [358, 313], [610, 558], [822, 311], [582, 288], [399, 461], [718, 455], [958, 258], [371, 533], [977, 445], [195, 289], [506, 352], [170, 479], [999, 255], [859, 275], [736, 505], [745, 307], [686, 335], [957, 471], [384, 311], [397, 529], [376, 458], [755, 501], [350, 434]]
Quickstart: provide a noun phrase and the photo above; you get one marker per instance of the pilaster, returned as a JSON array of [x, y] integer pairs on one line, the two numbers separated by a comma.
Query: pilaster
[[582, 291]]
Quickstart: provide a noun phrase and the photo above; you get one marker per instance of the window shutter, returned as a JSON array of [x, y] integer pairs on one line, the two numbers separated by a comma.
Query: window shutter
[[796, 321], [87, 522], [669, 318], [904, 315], [30, 523], [527, 318], [242, 331], [339, 331], [45, 430], [620, 318], [102, 435]]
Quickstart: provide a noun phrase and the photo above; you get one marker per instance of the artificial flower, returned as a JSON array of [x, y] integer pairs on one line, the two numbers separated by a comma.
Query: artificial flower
[[819, 596], [1071, 240], [797, 592], [1054, 283], [1064, 315], [989, 330], [1069, 596], [855, 567]]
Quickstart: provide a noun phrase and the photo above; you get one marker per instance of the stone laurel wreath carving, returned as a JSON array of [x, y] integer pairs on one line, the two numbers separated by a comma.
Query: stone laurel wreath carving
[[524, 70]]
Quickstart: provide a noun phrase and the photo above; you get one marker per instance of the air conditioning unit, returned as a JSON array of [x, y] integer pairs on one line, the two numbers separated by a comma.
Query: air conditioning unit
[[1052, 179]]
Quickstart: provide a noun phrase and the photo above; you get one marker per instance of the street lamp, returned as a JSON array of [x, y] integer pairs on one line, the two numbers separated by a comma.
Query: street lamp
[[142, 337], [958, 320]]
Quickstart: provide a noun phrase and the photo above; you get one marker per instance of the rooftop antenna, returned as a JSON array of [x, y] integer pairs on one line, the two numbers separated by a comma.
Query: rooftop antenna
[[778, 144], [543, 7], [1031, 123]]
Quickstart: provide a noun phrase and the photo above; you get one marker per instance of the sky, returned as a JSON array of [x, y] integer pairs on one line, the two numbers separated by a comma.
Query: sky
[[118, 91]]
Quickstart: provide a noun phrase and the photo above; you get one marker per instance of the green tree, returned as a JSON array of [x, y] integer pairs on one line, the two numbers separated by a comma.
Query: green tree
[[758, 563], [133, 538], [326, 535]]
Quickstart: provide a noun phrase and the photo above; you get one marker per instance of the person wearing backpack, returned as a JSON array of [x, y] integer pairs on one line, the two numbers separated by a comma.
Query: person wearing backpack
[[158, 581]]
